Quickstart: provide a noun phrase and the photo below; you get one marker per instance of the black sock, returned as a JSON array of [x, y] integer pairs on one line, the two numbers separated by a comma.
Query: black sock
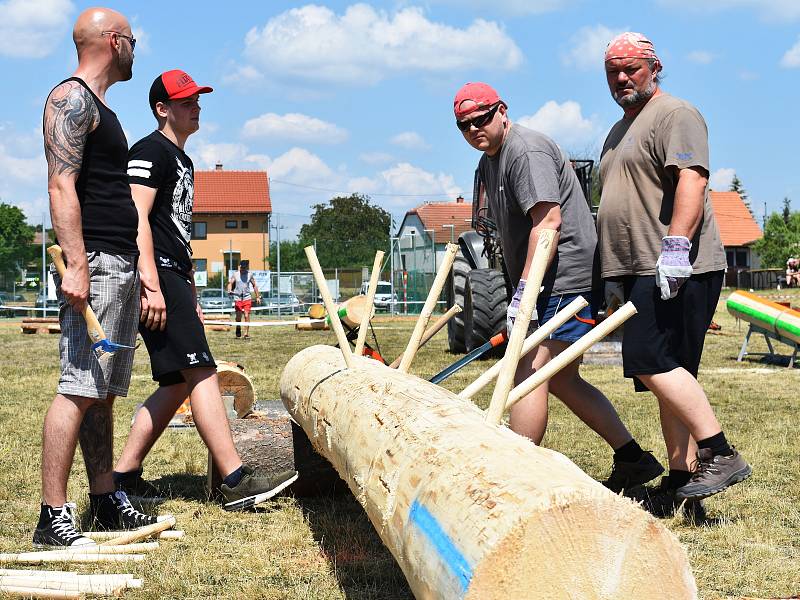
[[124, 475], [717, 444], [234, 478], [678, 478], [630, 452]]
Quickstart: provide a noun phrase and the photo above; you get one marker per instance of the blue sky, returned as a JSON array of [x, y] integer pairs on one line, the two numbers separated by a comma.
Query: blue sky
[[341, 97]]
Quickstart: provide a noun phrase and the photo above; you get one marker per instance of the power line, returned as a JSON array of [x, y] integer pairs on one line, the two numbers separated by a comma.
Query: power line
[[321, 189]]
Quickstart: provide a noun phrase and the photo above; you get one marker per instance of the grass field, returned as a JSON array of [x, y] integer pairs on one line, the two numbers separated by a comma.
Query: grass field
[[326, 548]]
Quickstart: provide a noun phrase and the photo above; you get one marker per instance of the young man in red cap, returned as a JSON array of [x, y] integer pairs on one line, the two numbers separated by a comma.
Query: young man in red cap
[[531, 186], [161, 177], [659, 243]]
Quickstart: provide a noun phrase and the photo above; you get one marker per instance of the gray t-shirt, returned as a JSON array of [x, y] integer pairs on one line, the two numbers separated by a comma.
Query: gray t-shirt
[[241, 287], [531, 168]]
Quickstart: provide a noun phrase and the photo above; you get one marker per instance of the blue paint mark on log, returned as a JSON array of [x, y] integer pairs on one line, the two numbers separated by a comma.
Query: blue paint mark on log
[[450, 555]]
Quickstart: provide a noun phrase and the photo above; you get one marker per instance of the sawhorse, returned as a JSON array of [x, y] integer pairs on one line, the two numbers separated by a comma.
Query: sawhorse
[[768, 336]]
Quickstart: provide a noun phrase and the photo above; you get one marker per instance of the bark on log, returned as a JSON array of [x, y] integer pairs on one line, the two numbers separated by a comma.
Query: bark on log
[[468, 509], [270, 442]]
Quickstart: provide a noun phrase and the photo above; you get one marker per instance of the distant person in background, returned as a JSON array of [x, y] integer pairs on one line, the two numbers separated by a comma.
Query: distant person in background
[[239, 286], [161, 177], [792, 272]]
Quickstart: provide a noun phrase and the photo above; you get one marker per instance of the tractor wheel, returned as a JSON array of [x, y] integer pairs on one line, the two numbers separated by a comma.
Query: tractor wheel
[[484, 307], [455, 295]]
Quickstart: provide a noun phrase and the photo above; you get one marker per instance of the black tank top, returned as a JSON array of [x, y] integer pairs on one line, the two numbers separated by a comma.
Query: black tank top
[[108, 215]]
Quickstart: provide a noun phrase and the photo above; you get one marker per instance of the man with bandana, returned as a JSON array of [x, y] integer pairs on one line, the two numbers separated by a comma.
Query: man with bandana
[[660, 248]]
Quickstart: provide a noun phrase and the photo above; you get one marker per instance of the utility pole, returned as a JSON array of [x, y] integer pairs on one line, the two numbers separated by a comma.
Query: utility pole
[[44, 265]]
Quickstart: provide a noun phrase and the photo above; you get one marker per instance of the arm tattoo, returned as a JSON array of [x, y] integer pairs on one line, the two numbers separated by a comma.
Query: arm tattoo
[[97, 439], [69, 116]]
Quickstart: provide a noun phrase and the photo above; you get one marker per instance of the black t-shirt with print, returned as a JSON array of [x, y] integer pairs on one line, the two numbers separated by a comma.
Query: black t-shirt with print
[[156, 162]]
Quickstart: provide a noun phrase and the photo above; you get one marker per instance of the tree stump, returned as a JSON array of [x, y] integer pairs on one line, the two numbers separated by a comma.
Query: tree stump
[[270, 441]]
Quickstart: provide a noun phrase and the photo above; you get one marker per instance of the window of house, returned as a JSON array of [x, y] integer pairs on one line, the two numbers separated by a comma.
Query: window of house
[[741, 258], [199, 230], [200, 264], [231, 224], [245, 224], [729, 257]]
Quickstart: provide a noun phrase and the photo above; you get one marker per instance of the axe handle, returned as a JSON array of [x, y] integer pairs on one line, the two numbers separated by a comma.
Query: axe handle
[[93, 326]]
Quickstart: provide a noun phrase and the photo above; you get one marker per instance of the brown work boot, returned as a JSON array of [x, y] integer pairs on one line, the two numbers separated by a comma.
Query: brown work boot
[[625, 475], [714, 473]]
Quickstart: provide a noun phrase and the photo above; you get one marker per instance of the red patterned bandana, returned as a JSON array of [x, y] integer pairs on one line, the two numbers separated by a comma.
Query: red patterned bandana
[[630, 45]]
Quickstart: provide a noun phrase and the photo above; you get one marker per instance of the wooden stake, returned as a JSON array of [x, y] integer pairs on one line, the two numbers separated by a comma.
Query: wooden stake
[[617, 318], [109, 549], [545, 246], [58, 556], [432, 331], [141, 533], [373, 285], [533, 340], [169, 534], [330, 306], [100, 584], [32, 592], [427, 308]]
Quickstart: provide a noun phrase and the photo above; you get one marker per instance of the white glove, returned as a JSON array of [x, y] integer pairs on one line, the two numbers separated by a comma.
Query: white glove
[[673, 267], [513, 307]]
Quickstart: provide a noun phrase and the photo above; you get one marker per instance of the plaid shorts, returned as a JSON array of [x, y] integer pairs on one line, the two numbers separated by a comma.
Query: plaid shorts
[[114, 297]]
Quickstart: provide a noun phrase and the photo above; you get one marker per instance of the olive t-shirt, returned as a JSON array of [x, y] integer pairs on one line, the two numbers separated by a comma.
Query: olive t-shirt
[[638, 188], [530, 168]]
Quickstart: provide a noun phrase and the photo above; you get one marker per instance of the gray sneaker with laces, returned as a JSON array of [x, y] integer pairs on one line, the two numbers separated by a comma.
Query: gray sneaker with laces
[[625, 475], [714, 473], [253, 489]]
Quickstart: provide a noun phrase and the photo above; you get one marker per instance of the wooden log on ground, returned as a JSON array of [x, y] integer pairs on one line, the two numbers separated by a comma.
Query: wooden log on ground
[[101, 584], [233, 381], [310, 324], [40, 320], [471, 510], [118, 549], [40, 328], [57, 556], [71, 577], [316, 311], [271, 442]]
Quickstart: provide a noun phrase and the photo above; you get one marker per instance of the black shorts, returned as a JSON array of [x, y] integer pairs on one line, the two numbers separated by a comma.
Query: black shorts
[[666, 334], [182, 344]]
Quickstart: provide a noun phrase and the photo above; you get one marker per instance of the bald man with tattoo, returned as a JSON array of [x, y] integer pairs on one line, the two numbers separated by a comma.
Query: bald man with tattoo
[[95, 222]]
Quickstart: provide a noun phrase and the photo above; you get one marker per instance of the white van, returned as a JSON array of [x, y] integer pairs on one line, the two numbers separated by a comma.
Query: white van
[[383, 294]]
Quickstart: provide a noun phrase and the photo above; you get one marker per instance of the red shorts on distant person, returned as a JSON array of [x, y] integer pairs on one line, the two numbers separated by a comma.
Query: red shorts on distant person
[[243, 305]]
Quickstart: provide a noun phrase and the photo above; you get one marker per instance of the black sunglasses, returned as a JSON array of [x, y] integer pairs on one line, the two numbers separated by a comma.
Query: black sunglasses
[[130, 38], [479, 121]]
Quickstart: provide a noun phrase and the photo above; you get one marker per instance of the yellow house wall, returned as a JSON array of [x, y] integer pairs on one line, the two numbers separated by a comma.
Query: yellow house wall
[[252, 243]]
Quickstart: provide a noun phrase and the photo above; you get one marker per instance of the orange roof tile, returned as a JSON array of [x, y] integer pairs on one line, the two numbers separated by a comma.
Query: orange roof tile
[[737, 227], [231, 192], [435, 214]]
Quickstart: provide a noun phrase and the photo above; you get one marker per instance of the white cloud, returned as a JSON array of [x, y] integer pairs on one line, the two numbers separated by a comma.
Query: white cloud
[[302, 167], [720, 179], [207, 154], [791, 58], [142, 39], [375, 158], [293, 126], [516, 7], [564, 123], [701, 57], [410, 140], [589, 46], [771, 10], [33, 29], [407, 179], [363, 46]]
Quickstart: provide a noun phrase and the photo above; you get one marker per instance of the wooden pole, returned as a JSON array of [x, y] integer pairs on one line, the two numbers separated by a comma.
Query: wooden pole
[[470, 510], [545, 246], [373, 285], [617, 318], [120, 549], [432, 331], [141, 533], [32, 592], [58, 556], [169, 534], [101, 584], [56, 577], [427, 308], [533, 340], [330, 306]]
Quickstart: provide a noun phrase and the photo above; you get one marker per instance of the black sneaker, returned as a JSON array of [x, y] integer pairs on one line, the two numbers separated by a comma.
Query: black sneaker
[[661, 502], [114, 511], [254, 489], [714, 473], [625, 475], [56, 527], [137, 488]]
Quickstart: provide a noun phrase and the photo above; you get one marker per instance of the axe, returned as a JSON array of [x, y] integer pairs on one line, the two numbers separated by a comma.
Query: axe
[[102, 347]]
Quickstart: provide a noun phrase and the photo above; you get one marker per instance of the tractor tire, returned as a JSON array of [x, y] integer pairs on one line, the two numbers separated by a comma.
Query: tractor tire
[[485, 304], [455, 295]]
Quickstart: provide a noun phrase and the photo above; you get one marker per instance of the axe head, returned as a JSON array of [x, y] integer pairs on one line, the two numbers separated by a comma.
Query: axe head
[[103, 349]]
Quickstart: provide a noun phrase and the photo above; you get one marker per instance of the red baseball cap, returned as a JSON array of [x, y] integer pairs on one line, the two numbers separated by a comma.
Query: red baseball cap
[[173, 85], [472, 97]]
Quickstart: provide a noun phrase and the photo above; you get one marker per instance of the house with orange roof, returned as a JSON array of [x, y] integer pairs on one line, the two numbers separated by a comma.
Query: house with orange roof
[[738, 230], [231, 218], [427, 229]]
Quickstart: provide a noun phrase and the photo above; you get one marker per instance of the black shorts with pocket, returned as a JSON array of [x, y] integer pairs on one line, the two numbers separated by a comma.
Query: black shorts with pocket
[[182, 344], [666, 334]]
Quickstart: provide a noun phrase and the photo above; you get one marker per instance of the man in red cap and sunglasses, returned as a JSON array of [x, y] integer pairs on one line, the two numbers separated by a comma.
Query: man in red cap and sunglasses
[[660, 248], [530, 186], [161, 177]]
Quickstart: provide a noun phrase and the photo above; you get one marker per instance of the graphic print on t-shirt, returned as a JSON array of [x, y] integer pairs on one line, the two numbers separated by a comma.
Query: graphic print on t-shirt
[[183, 200]]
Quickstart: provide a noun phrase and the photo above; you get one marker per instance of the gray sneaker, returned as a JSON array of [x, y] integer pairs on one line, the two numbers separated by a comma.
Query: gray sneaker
[[714, 474], [661, 502], [254, 489], [625, 475]]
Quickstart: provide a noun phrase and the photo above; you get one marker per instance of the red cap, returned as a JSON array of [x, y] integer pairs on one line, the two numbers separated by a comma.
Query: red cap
[[173, 85], [472, 97]]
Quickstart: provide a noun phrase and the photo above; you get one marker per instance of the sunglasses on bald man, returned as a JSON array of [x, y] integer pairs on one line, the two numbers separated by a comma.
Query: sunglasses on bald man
[[478, 121]]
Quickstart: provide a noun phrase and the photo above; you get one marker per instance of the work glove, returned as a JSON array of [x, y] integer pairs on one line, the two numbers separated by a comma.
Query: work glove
[[513, 307], [614, 293], [673, 267]]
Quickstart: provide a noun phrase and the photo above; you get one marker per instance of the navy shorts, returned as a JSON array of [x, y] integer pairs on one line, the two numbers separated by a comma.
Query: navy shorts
[[576, 327], [667, 334], [182, 344]]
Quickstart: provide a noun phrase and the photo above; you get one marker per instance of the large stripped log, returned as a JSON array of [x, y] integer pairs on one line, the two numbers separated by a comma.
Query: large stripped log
[[768, 315], [100, 584], [468, 509]]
